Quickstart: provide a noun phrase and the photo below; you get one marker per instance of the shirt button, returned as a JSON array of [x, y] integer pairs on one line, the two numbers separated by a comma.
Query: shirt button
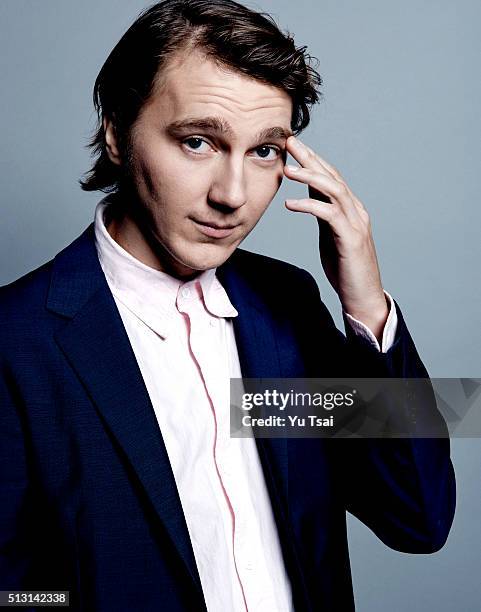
[[185, 292]]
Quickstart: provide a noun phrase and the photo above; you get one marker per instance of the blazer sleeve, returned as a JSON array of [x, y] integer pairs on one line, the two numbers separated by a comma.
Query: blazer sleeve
[[15, 541], [403, 489]]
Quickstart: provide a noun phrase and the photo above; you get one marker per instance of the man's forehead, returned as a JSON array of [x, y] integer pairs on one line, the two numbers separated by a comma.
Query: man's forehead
[[196, 92]]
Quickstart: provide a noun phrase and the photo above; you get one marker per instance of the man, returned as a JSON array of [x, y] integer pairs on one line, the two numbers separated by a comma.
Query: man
[[120, 482]]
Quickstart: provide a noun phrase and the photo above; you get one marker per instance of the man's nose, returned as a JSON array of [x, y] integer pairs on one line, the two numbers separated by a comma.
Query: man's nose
[[229, 187]]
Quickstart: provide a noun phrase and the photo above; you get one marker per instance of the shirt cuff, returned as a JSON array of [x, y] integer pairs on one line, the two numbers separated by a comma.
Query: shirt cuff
[[388, 334]]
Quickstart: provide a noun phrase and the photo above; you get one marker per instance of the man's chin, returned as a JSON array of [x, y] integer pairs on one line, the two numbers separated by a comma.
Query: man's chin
[[205, 261], [205, 264]]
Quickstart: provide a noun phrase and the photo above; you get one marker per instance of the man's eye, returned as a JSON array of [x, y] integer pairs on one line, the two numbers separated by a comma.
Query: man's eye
[[194, 143], [267, 152]]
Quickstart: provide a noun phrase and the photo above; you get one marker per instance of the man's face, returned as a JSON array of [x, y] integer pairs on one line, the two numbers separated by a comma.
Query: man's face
[[207, 148]]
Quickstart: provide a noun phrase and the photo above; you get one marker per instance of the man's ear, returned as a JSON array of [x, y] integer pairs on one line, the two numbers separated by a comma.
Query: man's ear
[[111, 141]]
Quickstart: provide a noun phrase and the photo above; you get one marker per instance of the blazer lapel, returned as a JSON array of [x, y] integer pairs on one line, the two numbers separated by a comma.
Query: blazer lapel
[[259, 343], [95, 343], [267, 349]]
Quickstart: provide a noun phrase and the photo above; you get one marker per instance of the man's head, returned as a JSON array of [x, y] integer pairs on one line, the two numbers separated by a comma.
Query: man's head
[[195, 104]]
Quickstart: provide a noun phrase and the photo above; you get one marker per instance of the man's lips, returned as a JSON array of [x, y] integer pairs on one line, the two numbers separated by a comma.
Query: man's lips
[[214, 230], [216, 225]]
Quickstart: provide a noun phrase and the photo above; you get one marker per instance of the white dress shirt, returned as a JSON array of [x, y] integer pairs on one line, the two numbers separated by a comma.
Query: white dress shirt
[[183, 339]]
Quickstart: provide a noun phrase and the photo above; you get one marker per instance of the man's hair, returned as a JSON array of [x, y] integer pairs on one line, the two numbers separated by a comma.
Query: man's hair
[[234, 36]]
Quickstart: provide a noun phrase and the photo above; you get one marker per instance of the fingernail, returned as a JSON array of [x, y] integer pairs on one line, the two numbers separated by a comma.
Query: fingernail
[[293, 168]]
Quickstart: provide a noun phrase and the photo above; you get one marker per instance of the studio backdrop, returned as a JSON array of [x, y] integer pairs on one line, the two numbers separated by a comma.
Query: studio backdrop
[[399, 118]]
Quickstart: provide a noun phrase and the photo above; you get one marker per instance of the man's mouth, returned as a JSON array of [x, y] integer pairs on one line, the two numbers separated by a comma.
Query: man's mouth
[[214, 230]]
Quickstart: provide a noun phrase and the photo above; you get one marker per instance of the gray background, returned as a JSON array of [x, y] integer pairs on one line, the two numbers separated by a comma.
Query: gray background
[[401, 82]]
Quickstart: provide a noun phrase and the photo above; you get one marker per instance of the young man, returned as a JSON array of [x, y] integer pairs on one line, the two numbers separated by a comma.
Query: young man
[[120, 482]]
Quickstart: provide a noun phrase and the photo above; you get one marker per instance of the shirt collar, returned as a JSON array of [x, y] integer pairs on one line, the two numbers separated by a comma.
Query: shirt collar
[[148, 293]]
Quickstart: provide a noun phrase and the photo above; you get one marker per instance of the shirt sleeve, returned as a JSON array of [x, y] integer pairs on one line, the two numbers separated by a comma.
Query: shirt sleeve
[[389, 332]]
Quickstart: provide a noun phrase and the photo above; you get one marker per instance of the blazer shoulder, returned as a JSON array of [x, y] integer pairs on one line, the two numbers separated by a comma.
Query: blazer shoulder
[[24, 320], [26, 293]]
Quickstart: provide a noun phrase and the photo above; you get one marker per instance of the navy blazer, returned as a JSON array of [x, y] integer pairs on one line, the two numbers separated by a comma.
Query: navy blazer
[[88, 498]]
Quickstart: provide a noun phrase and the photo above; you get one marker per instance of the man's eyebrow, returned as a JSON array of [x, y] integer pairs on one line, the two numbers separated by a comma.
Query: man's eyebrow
[[274, 133], [220, 125]]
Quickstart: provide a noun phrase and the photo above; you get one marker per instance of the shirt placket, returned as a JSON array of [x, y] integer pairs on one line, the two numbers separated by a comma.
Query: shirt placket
[[208, 351]]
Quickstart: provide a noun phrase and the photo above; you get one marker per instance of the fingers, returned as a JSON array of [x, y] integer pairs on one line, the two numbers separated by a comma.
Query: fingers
[[309, 158], [333, 171], [326, 184], [317, 166], [320, 181], [326, 211], [304, 155]]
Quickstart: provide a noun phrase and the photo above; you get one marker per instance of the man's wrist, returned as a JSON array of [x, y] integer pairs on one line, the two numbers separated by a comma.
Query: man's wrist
[[374, 318]]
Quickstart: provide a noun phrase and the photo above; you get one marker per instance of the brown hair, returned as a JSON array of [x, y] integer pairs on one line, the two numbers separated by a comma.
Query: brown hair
[[230, 33]]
